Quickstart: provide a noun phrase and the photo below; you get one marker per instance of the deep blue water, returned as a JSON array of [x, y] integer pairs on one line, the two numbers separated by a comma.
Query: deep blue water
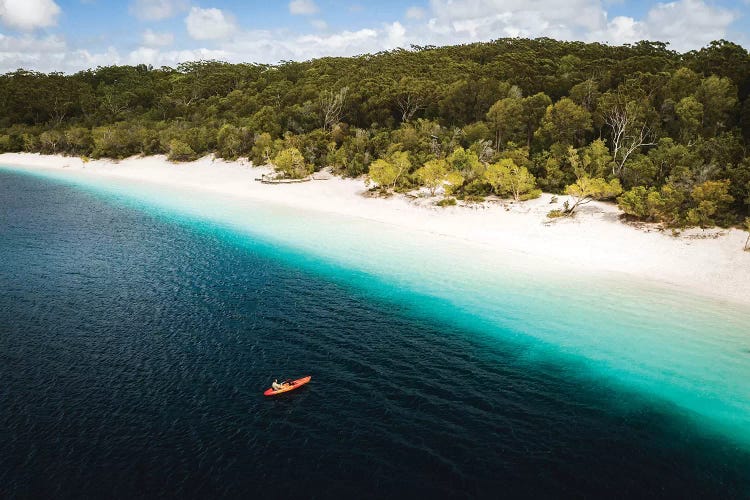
[[134, 347]]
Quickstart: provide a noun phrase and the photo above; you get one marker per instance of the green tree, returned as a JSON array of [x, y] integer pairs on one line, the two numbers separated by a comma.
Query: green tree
[[566, 122], [641, 202], [466, 163], [586, 190], [712, 200], [534, 109], [507, 178], [292, 164], [180, 151], [51, 140], [718, 97], [453, 182], [386, 172], [506, 121], [79, 140], [690, 114], [432, 174], [229, 142], [595, 159], [262, 150]]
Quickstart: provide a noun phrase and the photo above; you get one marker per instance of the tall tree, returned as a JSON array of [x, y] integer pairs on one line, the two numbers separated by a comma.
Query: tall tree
[[566, 122]]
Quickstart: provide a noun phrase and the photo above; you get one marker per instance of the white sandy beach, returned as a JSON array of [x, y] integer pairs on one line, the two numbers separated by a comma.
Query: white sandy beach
[[704, 262]]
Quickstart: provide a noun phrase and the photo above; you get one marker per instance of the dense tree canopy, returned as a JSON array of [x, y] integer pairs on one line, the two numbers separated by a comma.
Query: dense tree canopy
[[504, 117]]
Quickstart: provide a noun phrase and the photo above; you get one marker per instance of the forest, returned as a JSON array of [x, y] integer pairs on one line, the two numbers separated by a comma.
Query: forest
[[662, 133]]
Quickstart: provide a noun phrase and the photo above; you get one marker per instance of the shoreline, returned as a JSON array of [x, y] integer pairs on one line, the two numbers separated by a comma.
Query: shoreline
[[708, 263]]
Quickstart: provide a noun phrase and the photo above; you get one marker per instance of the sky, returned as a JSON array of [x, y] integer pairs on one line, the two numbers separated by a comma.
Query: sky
[[71, 35]]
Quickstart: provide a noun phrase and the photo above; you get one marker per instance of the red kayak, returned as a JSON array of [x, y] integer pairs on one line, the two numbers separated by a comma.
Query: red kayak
[[287, 386]]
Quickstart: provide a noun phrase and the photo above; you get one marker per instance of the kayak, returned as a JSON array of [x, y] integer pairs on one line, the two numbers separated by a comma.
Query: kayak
[[288, 386]]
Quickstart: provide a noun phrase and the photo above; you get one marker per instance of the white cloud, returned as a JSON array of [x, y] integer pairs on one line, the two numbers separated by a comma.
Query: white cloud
[[48, 53], [29, 14], [686, 24], [209, 24], [319, 24], [154, 10], [486, 19], [157, 58], [154, 39], [303, 7], [415, 13]]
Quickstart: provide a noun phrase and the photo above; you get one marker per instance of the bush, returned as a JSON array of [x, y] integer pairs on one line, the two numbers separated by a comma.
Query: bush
[[446, 202], [639, 202], [531, 195], [180, 151], [473, 198], [6, 144], [292, 164], [554, 214]]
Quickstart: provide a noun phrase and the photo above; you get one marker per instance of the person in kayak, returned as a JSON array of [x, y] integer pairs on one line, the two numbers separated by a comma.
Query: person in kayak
[[276, 386]]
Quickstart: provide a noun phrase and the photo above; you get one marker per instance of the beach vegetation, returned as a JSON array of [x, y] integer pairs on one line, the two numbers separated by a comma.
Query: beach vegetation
[[587, 189], [677, 206], [446, 202], [432, 174], [292, 164], [672, 128], [508, 179], [180, 151], [386, 172], [453, 182]]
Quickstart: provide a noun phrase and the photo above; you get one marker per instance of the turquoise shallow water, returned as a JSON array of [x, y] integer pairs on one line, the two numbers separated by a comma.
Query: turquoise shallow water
[[693, 351], [626, 346]]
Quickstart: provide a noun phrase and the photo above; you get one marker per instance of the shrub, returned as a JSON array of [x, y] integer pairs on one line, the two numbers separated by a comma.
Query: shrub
[[180, 151], [292, 164], [446, 202]]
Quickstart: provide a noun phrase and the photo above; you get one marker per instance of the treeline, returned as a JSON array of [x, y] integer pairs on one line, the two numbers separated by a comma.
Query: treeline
[[665, 133]]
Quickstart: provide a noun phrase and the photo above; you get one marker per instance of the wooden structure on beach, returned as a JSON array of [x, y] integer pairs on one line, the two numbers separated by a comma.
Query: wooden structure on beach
[[271, 179]]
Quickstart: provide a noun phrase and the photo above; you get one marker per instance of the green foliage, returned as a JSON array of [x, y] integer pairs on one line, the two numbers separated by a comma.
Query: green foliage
[[684, 118], [595, 159], [292, 164], [587, 189], [641, 202], [508, 179], [79, 140], [180, 151], [386, 172], [690, 114], [505, 120], [453, 182], [232, 142], [718, 97], [710, 198], [466, 163], [704, 205], [446, 202], [432, 174], [565, 122], [263, 149]]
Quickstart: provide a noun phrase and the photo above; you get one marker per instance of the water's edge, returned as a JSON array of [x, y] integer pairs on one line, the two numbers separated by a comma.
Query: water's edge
[[677, 347]]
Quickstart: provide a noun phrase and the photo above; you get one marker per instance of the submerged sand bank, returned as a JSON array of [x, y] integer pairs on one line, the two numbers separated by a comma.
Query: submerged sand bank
[[706, 262]]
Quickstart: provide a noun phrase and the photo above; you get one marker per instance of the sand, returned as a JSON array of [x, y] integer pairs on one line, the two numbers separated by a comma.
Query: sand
[[704, 262]]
